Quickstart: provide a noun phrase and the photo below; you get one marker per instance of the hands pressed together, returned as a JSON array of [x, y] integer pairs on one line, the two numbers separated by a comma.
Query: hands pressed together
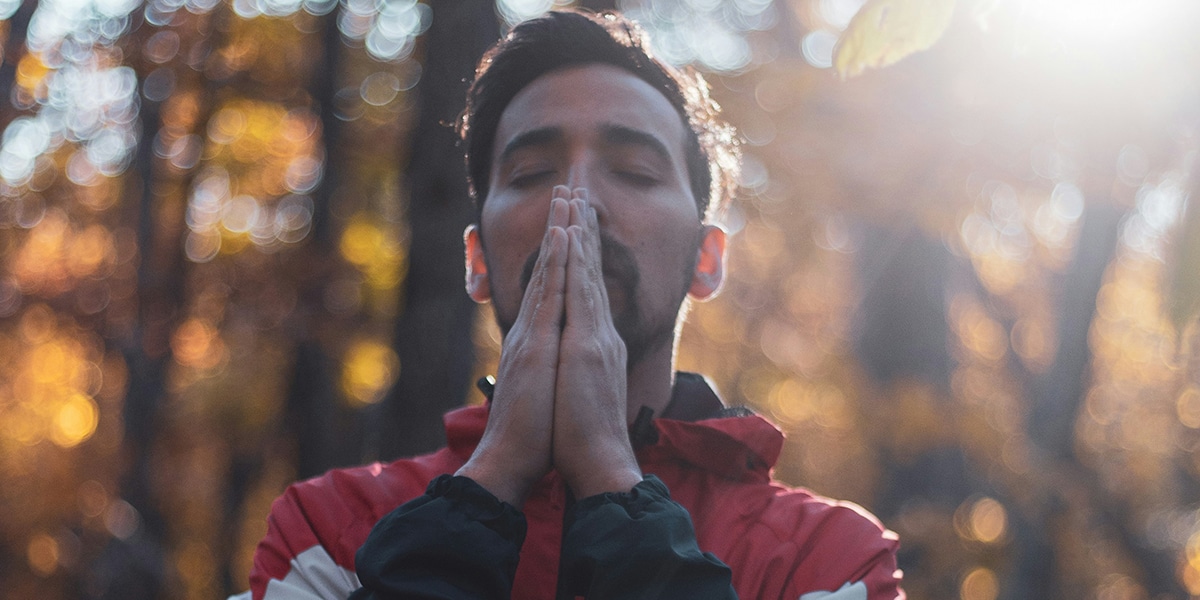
[[560, 395]]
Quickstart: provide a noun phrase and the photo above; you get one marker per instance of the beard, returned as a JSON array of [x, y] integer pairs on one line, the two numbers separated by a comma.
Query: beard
[[622, 280]]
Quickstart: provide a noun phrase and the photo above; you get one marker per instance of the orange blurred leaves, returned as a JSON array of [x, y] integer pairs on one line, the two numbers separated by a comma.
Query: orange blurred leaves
[[56, 255], [48, 386]]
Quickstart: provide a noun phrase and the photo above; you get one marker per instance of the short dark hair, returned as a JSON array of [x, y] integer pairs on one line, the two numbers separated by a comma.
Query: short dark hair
[[564, 39]]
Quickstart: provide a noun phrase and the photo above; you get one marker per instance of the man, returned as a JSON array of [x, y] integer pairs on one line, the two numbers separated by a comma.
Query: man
[[595, 169]]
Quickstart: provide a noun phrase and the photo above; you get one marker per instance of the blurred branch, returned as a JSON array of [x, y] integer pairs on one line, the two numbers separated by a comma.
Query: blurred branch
[[1184, 292], [325, 87]]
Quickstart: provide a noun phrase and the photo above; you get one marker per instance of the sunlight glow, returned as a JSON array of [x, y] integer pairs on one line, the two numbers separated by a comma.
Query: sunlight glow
[[1087, 22]]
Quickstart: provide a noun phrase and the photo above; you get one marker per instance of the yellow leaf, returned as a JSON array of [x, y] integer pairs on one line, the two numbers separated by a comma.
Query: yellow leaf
[[885, 31]]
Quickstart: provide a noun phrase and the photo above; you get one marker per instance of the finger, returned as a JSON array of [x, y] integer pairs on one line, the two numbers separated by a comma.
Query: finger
[[537, 280], [556, 237], [559, 207], [584, 216], [591, 235], [581, 296], [547, 283], [586, 286], [597, 253], [546, 306], [562, 191]]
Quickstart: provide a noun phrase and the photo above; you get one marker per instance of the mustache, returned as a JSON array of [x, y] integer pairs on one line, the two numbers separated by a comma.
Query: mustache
[[616, 260]]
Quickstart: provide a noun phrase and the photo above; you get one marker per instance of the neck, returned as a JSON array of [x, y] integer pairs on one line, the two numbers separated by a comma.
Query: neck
[[649, 382]]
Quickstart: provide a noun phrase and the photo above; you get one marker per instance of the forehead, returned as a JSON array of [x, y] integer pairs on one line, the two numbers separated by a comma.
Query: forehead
[[580, 100]]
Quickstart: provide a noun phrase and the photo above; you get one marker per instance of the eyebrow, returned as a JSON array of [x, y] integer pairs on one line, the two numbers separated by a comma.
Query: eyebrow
[[534, 137], [617, 135], [620, 135]]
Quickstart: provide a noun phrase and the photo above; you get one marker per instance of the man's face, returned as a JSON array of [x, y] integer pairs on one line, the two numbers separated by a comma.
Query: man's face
[[599, 128]]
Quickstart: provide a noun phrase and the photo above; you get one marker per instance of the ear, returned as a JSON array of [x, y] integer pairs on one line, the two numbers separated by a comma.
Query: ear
[[478, 287], [710, 265]]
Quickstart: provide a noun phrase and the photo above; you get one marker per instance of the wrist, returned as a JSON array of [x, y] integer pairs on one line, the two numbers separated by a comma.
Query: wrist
[[613, 469], [503, 485], [603, 482]]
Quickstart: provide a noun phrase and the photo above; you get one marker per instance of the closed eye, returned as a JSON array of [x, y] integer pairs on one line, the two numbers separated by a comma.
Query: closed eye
[[531, 178], [637, 178]]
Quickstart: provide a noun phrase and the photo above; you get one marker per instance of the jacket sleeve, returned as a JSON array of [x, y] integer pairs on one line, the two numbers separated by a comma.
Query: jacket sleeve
[[846, 555], [292, 561], [638, 544], [456, 541]]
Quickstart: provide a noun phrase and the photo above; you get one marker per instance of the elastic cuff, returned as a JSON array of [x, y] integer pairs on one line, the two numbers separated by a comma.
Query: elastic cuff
[[477, 503], [649, 490]]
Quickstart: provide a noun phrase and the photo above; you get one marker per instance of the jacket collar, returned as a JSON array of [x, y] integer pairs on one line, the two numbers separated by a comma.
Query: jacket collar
[[699, 432]]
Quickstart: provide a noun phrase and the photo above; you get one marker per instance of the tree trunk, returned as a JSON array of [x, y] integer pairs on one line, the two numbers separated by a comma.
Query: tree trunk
[[13, 50], [148, 354], [1057, 399], [433, 334]]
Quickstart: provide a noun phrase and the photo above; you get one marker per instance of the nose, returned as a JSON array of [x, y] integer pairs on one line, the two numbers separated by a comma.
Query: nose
[[584, 175], [579, 175]]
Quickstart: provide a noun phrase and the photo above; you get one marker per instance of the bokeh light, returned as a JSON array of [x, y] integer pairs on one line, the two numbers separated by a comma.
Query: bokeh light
[[49, 394], [980, 584], [714, 35], [388, 28], [370, 367], [272, 152]]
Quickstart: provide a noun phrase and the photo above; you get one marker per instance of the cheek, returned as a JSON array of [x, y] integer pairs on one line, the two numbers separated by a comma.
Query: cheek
[[668, 246], [508, 219], [669, 224], [511, 232]]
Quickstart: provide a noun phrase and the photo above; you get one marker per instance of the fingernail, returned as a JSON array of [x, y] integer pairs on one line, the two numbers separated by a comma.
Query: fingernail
[[561, 191]]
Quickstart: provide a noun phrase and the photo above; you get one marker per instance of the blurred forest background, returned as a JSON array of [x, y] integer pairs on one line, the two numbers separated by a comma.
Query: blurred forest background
[[965, 284]]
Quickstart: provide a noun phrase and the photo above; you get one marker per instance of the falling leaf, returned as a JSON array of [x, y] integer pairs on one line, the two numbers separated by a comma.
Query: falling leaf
[[885, 31]]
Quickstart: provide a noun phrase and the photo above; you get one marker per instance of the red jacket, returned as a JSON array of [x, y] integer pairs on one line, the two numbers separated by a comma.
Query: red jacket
[[780, 542]]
